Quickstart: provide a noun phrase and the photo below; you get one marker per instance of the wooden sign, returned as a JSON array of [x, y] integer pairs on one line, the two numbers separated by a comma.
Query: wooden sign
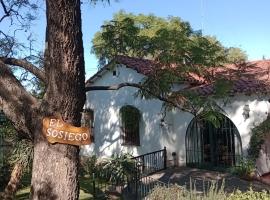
[[56, 130]]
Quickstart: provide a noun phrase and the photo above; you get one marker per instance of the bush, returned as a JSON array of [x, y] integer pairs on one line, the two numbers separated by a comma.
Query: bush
[[245, 168], [88, 165], [258, 135], [117, 168], [176, 192], [120, 167], [249, 195], [4, 176]]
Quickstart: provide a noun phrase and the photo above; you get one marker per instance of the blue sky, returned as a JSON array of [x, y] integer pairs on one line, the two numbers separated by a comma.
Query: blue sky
[[239, 23]]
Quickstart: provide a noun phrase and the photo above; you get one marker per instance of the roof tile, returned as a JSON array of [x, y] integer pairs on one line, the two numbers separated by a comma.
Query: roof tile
[[250, 77]]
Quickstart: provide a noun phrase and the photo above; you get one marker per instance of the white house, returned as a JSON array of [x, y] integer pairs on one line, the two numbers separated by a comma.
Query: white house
[[194, 143]]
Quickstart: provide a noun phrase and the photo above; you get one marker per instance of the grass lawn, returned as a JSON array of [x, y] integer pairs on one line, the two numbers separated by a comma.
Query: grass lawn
[[85, 189]]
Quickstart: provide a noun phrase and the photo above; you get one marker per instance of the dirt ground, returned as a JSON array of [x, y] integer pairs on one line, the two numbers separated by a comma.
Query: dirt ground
[[201, 179]]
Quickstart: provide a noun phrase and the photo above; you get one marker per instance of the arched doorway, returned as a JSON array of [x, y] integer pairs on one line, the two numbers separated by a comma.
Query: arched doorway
[[208, 146]]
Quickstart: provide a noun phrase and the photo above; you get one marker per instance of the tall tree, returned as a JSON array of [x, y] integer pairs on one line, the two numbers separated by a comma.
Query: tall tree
[[156, 38], [55, 167], [178, 53]]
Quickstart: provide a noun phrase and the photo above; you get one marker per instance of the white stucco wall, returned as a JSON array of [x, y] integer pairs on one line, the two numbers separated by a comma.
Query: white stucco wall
[[106, 106]]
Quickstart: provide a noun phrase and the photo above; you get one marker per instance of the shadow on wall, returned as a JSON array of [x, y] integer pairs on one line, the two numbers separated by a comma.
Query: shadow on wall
[[107, 131], [258, 111], [153, 136]]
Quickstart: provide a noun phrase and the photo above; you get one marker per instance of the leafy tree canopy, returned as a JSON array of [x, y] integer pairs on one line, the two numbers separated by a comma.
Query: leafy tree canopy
[[170, 40], [235, 55], [177, 51]]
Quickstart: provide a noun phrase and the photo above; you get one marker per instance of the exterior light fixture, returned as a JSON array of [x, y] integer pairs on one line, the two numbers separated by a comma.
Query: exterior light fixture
[[246, 111], [162, 123]]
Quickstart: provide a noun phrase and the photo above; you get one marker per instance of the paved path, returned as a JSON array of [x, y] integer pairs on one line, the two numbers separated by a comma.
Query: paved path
[[202, 178]]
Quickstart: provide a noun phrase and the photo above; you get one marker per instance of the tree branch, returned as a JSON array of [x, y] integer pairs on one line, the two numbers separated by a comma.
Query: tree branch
[[18, 105], [7, 12], [139, 86], [112, 87], [25, 65]]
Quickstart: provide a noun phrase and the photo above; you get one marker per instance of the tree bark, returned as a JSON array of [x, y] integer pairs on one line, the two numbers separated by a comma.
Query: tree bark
[[55, 166], [13, 183]]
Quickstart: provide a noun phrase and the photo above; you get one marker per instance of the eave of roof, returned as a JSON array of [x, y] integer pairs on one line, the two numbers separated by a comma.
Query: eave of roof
[[251, 77]]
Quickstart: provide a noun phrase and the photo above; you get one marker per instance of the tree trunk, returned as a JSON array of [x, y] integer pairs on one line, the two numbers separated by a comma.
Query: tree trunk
[[55, 166], [55, 172], [13, 183]]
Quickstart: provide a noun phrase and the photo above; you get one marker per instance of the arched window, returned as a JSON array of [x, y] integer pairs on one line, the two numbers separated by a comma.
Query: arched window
[[207, 145], [130, 125]]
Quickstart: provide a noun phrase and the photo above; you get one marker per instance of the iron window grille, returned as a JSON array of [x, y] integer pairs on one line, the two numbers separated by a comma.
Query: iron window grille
[[130, 125]]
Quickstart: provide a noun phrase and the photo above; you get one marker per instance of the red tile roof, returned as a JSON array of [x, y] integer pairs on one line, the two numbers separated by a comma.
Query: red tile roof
[[248, 78], [142, 66]]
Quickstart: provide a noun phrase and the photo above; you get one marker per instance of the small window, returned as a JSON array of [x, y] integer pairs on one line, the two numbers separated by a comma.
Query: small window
[[130, 125]]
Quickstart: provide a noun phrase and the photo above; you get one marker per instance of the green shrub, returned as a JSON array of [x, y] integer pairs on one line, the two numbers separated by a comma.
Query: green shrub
[[120, 167], [176, 192], [117, 168], [88, 165], [245, 168], [258, 135], [163, 193], [4, 176], [249, 195]]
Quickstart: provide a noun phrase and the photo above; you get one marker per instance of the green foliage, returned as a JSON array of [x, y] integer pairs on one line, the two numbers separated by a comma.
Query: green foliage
[[20, 149], [89, 165], [5, 151], [121, 167], [245, 168], [180, 193], [4, 176], [176, 192], [177, 52], [257, 138], [205, 108], [222, 87], [168, 40], [117, 168], [249, 195], [236, 55], [7, 134], [23, 151]]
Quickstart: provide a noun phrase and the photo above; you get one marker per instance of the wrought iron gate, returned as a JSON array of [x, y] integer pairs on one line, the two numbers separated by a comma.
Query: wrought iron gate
[[207, 145]]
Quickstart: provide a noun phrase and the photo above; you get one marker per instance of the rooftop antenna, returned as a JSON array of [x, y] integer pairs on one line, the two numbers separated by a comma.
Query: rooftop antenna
[[202, 15]]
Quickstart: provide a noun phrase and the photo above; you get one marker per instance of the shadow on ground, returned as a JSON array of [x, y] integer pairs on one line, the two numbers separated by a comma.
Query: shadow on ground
[[201, 179]]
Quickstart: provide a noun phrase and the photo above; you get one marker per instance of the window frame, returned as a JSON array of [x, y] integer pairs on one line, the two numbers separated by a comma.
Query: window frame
[[130, 130]]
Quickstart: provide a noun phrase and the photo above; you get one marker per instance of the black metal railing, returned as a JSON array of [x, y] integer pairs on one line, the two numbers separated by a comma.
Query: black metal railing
[[150, 163], [146, 186], [104, 185], [137, 185], [141, 188], [141, 184]]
